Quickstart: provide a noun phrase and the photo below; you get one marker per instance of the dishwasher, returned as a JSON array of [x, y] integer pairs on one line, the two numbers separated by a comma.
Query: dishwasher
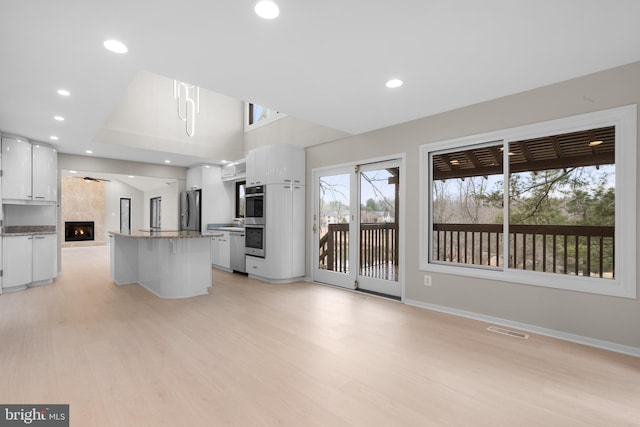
[[238, 260]]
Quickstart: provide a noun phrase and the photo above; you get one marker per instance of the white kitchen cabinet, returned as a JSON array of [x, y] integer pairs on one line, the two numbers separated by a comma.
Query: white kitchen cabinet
[[194, 178], [284, 259], [298, 235], [257, 267], [28, 260], [257, 166], [235, 171], [221, 250], [45, 173], [44, 257], [299, 167], [279, 230], [17, 261], [276, 164], [16, 173]]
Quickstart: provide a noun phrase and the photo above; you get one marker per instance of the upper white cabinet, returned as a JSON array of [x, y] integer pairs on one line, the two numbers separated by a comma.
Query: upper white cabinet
[[45, 173], [257, 166], [194, 178], [276, 164], [16, 173], [30, 171], [235, 171], [285, 164]]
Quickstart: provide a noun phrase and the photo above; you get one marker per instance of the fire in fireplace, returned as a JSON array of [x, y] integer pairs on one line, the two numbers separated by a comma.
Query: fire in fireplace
[[76, 231]]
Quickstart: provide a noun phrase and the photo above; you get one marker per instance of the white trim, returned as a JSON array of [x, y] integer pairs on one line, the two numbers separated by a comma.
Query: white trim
[[579, 339], [624, 285]]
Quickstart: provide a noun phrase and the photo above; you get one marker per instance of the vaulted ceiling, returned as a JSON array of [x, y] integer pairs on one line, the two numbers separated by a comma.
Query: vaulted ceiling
[[326, 62]]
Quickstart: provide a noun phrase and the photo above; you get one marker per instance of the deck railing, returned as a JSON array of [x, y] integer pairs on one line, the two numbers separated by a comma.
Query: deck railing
[[378, 246], [566, 249]]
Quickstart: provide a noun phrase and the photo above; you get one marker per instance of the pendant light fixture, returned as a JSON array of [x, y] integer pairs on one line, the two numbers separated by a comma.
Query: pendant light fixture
[[188, 100]]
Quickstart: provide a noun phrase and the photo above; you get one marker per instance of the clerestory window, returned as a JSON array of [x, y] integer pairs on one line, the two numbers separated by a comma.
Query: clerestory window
[[550, 204]]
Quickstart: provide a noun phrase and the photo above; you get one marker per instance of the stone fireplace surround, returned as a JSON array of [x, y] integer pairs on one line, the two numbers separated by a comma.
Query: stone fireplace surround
[[82, 200]]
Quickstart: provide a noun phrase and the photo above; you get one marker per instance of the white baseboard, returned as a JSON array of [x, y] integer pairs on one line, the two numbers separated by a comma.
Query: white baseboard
[[579, 339]]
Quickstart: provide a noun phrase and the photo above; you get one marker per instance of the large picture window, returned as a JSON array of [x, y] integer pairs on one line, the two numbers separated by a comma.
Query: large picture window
[[551, 204]]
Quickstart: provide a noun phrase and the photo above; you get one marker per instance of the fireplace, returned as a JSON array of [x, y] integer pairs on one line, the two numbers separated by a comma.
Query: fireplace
[[77, 231]]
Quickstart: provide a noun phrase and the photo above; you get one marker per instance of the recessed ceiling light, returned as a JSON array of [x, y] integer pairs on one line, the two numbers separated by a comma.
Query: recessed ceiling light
[[58, 118], [595, 143], [89, 152], [167, 161], [115, 46], [394, 83], [63, 92], [53, 138], [73, 171], [131, 176], [267, 9]]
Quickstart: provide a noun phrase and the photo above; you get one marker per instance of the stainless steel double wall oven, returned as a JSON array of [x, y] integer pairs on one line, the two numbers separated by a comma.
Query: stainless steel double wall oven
[[254, 230]]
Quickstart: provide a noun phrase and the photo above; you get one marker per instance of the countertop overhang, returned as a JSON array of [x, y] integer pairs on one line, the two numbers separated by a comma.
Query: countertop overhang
[[161, 234]]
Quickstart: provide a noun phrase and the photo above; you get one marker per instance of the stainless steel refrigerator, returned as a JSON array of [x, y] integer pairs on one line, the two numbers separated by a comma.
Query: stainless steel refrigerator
[[190, 210]]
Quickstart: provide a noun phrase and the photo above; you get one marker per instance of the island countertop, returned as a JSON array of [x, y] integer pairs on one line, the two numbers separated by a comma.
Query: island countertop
[[161, 234]]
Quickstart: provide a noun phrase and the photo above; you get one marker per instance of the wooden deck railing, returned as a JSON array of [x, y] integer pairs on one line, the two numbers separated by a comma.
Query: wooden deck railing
[[378, 246], [567, 249]]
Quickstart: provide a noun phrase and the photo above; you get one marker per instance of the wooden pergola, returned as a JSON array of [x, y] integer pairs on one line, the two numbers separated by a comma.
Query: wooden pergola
[[593, 147]]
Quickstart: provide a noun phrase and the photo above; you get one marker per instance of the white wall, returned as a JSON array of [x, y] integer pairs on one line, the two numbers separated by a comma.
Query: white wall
[[113, 192], [170, 207], [146, 117], [291, 130]]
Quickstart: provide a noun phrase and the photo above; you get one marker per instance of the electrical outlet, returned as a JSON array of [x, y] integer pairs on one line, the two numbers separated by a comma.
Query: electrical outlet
[[427, 280]]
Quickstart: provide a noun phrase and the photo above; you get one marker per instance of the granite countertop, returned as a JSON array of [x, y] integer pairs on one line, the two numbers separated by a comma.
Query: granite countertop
[[160, 234], [27, 230], [224, 227], [228, 228]]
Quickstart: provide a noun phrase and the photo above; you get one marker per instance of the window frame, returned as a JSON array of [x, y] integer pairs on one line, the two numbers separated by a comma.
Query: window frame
[[624, 284], [273, 116], [239, 184]]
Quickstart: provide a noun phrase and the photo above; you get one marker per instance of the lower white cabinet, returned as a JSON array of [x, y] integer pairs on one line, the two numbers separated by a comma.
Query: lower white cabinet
[[28, 260], [221, 250], [17, 265], [44, 257], [257, 266]]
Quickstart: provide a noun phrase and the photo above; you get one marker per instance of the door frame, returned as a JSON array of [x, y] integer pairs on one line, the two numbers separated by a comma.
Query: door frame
[[313, 209]]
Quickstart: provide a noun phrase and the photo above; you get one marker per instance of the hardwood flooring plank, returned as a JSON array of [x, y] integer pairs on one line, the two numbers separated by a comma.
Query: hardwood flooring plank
[[256, 354]]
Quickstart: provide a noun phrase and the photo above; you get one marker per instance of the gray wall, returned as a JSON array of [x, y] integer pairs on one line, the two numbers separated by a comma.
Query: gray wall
[[599, 317]]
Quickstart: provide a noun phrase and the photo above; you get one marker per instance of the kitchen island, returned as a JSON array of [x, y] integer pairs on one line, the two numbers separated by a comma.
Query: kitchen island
[[171, 264]]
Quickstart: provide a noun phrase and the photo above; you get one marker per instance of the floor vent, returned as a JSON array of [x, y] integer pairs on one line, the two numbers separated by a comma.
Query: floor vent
[[511, 333]]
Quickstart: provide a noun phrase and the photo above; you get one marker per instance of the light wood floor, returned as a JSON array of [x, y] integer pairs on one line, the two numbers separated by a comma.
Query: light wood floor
[[257, 354]]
